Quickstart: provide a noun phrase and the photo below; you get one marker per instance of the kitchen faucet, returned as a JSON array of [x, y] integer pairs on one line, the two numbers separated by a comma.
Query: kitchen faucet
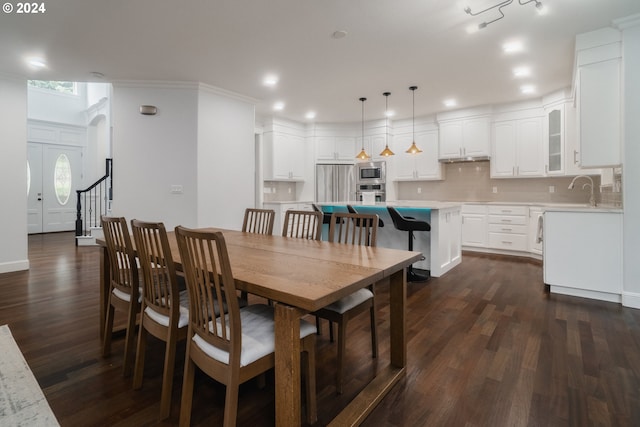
[[592, 199]]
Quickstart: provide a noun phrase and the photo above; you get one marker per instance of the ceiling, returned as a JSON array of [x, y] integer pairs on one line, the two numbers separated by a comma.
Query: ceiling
[[232, 44]]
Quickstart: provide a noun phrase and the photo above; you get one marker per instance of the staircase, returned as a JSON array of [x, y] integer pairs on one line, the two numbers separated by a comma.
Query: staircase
[[93, 202]]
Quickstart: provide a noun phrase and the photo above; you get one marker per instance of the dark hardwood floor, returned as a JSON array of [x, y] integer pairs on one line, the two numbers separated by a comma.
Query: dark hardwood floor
[[488, 346]]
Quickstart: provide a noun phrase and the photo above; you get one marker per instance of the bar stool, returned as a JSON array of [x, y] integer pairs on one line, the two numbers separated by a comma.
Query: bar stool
[[407, 223]]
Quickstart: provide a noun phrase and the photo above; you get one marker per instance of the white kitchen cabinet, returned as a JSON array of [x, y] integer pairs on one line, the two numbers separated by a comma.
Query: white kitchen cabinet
[[474, 226], [335, 148], [508, 227], [599, 113], [284, 156], [446, 235], [536, 214], [583, 253], [517, 148], [281, 210], [417, 167], [468, 137]]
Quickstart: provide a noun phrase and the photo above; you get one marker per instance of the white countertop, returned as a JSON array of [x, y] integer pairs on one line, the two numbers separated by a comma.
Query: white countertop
[[402, 204]]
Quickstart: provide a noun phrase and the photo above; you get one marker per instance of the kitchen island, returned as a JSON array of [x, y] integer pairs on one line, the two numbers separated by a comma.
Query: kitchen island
[[441, 246]]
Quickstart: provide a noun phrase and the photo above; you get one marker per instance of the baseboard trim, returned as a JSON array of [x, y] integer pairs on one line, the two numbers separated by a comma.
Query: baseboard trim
[[585, 293], [631, 299], [8, 267]]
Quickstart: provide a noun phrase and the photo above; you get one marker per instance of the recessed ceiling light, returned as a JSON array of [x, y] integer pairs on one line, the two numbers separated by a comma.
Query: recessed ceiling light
[[37, 62], [339, 34], [271, 80], [522, 72], [278, 106], [471, 29], [450, 102], [310, 115], [527, 89], [390, 113], [513, 47]]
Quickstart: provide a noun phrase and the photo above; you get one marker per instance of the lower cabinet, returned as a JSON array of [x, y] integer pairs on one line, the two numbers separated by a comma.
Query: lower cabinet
[[474, 226], [535, 229], [508, 227], [447, 237], [583, 253]]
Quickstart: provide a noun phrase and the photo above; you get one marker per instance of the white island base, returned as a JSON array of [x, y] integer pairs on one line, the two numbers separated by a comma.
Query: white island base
[[441, 246]]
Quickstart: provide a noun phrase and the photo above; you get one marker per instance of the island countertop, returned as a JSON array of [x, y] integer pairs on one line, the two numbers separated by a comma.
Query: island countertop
[[411, 204]]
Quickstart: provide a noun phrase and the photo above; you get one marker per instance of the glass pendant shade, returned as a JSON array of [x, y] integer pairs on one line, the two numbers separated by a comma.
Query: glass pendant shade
[[363, 154], [386, 152], [414, 148]]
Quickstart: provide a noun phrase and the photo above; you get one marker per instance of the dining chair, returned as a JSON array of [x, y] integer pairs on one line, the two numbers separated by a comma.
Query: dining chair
[[258, 221], [354, 229], [235, 347], [124, 286], [302, 224], [164, 310]]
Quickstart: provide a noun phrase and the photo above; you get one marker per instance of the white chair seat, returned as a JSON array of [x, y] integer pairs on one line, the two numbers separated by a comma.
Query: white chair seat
[[125, 296], [164, 320], [347, 303], [258, 335]]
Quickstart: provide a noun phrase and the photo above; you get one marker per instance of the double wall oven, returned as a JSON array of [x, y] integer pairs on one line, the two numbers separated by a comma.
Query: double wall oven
[[371, 177]]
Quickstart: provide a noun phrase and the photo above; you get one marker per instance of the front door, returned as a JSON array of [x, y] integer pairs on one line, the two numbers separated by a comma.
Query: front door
[[55, 173]]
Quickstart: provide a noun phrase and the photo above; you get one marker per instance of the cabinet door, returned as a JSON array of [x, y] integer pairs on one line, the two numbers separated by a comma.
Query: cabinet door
[[554, 141], [376, 145], [426, 163], [296, 157], [599, 112], [535, 234], [529, 150], [571, 146], [476, 137], [474, 230], [404, 163], [326, 148], [450, 140], [504, 149], [345, 148]]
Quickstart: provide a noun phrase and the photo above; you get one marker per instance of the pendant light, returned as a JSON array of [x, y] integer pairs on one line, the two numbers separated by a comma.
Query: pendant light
[[386, 152], [363, 154], [414, 148]]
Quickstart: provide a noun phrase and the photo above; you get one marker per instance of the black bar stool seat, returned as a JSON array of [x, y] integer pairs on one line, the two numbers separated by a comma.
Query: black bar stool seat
[[407, 223]]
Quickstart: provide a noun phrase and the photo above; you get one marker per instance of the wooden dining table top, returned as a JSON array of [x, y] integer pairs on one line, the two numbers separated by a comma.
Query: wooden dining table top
[[308, 274]]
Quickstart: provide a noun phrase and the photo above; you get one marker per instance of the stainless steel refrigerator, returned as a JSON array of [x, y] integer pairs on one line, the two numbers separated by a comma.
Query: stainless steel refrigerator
[[335, 183]]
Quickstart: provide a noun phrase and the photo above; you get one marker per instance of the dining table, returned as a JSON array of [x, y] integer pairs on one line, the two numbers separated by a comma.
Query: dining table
[[302, 276]]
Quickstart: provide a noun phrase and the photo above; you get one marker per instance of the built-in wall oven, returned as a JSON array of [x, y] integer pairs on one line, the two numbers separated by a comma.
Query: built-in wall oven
[[371, 178]]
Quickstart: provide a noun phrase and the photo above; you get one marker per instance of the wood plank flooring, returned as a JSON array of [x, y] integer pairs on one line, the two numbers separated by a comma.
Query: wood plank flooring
[[488, 346]]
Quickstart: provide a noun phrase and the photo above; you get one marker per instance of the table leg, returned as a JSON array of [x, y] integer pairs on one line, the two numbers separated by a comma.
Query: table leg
[[287, 369], [398, 322], [105, 278]]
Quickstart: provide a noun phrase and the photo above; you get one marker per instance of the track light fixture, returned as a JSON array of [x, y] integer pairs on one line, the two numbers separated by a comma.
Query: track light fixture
[[499, 6]]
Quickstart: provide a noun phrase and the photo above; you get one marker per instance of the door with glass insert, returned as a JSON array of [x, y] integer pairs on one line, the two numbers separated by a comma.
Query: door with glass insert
[[54, 175]]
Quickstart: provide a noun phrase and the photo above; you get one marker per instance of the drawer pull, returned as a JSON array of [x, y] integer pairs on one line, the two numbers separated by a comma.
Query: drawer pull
[[507, 229], [507, 242], [506, 220]]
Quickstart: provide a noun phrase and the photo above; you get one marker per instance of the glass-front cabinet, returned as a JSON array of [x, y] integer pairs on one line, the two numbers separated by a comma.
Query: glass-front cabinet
[[555, 141]]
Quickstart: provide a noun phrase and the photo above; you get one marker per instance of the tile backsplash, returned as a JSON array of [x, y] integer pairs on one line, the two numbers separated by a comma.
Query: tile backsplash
[[472, 182], [279, 191]]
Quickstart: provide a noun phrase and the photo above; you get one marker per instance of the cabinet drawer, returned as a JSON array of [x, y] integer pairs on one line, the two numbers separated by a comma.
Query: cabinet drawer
[[513, 242], [508, 219], [474, 209], [507, 210], [508, 229]]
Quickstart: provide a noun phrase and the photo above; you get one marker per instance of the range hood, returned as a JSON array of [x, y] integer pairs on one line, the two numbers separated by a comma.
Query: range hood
[[465, 159]]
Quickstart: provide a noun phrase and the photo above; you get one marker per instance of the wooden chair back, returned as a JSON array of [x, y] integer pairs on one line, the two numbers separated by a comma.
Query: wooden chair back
[[259, 221], [302, 224], [122, 260], [160, 290], [210, 282], [354, 229]]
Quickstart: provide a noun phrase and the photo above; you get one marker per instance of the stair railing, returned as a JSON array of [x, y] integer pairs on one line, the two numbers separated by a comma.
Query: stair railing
[[94, 201]]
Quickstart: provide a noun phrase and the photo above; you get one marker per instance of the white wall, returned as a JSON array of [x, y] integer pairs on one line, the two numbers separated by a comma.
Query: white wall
[[225, 158], [631, 169], [13, 174], [153, 153], [58, 107]]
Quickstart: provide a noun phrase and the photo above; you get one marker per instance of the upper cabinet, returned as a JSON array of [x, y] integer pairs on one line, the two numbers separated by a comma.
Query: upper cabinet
[[335, 148], [599, 97], [517, 148], [562, 153], [284, 153], [462, 136], [417, 167]]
